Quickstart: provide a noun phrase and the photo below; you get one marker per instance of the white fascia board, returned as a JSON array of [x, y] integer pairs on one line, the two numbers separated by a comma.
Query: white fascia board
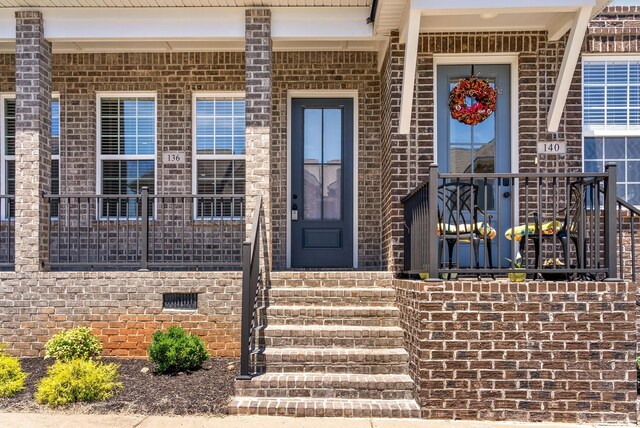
[[323, 22], [498, 6], [95, 24], [568, 68], [409, 72]]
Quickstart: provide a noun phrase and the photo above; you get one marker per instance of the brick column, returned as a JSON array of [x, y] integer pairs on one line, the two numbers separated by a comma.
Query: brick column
[[33, 151], [394, 156], [258, 58]]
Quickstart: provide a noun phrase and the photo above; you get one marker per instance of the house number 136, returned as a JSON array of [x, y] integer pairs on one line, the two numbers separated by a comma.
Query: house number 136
[[173, 157]]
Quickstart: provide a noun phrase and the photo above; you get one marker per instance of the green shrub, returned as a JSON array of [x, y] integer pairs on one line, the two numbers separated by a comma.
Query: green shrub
[[176, 350], [638, 374], [78, 380], [71, 344], [11, 376]]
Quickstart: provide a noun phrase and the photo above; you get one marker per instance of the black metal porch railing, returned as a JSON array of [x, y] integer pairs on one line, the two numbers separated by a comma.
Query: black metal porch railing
[[7, 232], [250, 280], [145, 231], [628, 217], [558, 226]]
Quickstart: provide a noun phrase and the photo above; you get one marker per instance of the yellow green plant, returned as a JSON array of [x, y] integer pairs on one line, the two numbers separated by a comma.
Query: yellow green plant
[[71, 344], [11, 375], [78, 380]]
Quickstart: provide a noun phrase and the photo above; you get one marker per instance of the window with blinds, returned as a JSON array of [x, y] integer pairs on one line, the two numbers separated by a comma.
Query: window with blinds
[[219, 153], [8, 153], [127, 152], [55, 156], [611, 120]]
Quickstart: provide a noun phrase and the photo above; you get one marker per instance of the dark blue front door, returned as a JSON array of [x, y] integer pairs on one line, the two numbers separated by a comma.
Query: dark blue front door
[[321, 183]]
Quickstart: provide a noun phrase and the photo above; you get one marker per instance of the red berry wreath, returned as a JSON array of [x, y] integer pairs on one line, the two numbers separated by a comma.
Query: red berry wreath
[[484, 104]]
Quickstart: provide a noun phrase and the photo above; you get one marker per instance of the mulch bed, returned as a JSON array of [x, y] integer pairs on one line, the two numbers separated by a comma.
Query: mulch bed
[[206, 391]]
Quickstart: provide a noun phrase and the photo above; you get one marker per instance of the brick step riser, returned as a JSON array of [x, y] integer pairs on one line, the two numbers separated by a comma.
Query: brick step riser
[[296, 300], [333, 342], [337, 321], [300, 411], [330, 283], [363, 369], [328, 392]]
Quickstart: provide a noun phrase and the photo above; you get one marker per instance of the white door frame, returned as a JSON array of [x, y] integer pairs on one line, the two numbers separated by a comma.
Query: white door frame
[[496, 58], [353, 94]]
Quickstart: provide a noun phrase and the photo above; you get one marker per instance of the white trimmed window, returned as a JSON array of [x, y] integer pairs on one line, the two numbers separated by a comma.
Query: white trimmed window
[[126, 150], [611, 120], [55, 155], [8, 152], [219, 154]]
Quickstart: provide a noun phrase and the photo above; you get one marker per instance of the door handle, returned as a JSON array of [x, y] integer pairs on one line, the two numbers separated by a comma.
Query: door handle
[[506, 194], [294, 212]]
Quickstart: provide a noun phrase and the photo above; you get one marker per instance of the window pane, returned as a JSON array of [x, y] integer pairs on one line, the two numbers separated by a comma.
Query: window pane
[[332, 136], [614, 148], [312, 192], [593, 72], [617, 72], [594, 96], [127, 126], [593, 148], [312, 135]]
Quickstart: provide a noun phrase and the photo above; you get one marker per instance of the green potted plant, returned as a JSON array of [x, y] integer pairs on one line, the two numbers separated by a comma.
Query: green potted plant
[[517, 276]]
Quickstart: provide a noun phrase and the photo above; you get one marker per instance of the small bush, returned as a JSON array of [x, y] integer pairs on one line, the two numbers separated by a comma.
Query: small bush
[[176, 350], [72, 344], [11, 376], [78, 380], [638, 374]]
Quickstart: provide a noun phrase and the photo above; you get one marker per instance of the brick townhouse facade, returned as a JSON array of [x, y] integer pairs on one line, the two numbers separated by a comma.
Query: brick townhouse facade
[[222, 107]]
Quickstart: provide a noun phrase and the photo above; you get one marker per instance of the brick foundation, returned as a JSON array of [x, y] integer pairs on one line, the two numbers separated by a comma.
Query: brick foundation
[[123, 308], [533, 351]]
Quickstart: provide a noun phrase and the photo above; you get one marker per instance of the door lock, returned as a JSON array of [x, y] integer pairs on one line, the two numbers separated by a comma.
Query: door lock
[[294, 212]]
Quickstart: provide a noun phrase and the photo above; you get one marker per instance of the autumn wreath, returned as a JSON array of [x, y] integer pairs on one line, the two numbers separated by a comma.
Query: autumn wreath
[[483, 96]]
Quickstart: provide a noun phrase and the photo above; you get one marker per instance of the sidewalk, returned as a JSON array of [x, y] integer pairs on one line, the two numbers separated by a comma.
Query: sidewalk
[[54, 420]]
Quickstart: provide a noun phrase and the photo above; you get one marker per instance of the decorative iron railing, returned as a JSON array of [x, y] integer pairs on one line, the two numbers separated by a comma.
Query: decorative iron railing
[[144, 231], [555, 226]]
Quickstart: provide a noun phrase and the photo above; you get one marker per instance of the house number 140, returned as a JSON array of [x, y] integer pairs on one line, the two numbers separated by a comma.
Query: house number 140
[[552, 147]]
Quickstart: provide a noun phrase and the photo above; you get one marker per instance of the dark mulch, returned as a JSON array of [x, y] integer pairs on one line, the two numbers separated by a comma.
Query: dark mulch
[[206, 391]]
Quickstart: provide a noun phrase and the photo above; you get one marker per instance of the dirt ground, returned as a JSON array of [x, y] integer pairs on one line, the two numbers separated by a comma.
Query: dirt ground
[[206, 391]]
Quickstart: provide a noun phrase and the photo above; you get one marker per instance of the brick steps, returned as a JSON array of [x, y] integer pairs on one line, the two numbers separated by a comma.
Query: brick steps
[[384, 316], [333, 346], [375, 387], [321, 336], [336, 360], [323, 296], [332, 407]]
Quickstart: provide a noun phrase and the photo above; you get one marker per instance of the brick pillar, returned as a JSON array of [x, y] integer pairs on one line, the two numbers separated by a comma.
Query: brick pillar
[[394, 156], [258, 58], [33, 151]]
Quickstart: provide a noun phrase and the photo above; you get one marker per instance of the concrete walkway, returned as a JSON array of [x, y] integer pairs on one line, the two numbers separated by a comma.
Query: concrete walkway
[[55, 420]]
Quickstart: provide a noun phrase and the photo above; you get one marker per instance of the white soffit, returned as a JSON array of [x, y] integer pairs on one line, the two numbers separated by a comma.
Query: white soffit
[[96, 28], [182, 3]]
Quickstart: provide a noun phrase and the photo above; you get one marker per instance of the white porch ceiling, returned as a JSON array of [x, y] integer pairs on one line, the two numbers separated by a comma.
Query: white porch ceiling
[[183, 3]]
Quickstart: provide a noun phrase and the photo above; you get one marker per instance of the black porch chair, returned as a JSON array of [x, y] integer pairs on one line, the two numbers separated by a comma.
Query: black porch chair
[[458, 221], [571, 228]]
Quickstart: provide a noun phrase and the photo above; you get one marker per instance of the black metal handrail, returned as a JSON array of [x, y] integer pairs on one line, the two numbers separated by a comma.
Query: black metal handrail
[[250, 279], [145, 231], [627, 217], [560, 213]]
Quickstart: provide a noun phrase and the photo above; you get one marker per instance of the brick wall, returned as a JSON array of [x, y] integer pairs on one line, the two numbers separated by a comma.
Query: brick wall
[[534, 351], [615, 30], [334, 71], [123, 308]]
